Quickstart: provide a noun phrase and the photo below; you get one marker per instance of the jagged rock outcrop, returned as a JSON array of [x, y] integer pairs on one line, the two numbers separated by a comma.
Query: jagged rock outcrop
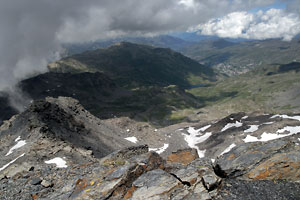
[[131, 173], [135, 173], [58, 150], [63, 120], [278, 159], [217, 138]]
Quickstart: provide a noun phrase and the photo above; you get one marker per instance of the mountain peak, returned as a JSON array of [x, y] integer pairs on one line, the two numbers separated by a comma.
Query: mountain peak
[[134, 65]]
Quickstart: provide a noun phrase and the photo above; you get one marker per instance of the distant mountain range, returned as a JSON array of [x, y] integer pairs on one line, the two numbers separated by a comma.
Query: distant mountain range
[[232, 58], [134, 65], [138, 81], [227, 56], [105, 99], [164, 41], [164, 87], [135, 121]]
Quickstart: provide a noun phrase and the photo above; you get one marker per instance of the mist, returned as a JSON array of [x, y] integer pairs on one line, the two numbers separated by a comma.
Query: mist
[[32, 32]]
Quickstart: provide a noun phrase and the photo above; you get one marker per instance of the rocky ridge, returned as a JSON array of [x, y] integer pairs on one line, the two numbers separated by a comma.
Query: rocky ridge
[[58, 150]]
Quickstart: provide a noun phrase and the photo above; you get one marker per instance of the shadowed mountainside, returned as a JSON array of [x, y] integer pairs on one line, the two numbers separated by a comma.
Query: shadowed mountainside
[[6, 109], [132, 65], [105, 99], [163, 41]]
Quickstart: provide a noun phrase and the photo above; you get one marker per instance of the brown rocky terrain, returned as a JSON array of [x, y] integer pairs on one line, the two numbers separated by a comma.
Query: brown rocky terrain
[[58, 150]]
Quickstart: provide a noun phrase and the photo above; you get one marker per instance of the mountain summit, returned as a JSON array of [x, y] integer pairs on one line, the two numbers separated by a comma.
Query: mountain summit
[[134, 65], [58, 150]]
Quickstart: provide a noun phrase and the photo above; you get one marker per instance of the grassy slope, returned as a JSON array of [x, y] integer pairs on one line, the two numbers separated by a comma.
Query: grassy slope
[[102, 97], [149, 73], [253, 91], [164, 41], [241, 57], [133, 65]]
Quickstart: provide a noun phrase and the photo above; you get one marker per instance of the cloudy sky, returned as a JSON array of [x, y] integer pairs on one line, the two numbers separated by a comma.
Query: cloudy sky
[[32, 31]]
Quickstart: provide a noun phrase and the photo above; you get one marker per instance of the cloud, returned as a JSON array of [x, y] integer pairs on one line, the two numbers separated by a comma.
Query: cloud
[[142, 17], [274, 23], [31, 31]]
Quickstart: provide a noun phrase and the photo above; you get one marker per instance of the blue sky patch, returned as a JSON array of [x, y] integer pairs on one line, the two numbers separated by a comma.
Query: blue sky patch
[[277, 5]]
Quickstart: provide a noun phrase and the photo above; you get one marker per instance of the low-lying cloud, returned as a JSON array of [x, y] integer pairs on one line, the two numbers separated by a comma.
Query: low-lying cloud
[[274, 23], [31, 31], [146, 18]]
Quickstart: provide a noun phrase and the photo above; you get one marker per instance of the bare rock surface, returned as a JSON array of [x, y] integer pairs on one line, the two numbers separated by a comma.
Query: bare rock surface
[[58, 150]]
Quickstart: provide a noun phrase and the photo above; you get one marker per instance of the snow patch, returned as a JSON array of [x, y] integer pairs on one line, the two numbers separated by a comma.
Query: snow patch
[[251, 129], [192, 131], [230, 125], [60, 163], [228, 149], [204, 128], [14, 160], [159, 150], [213, 160], [250, 138], [292, 129], [195, 138], [287, 117], [268, 136], [245, 117], [17, 146], [268, 123], [131, 139], [273, 136], [17, 139], [128, 130], [203, 137], [201, 153]]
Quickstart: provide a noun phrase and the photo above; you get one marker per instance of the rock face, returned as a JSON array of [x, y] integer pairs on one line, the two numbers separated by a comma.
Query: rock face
[[63, 120], [58, 150], [233, 189], [279, 159], [131, 173], [183, 156]]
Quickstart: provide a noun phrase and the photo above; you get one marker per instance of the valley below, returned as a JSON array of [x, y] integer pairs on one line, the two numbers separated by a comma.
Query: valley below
[[150, 100], [133, 121]]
